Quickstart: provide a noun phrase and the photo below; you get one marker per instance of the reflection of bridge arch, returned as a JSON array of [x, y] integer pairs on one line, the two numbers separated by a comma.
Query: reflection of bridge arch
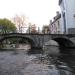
[[30, 41]]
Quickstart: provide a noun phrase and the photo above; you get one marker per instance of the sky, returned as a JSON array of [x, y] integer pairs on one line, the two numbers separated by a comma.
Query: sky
[[39, 12]]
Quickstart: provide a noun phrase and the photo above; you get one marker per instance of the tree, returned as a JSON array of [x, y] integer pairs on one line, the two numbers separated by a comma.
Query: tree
[[6, 26], [20, 21], [32, 29]]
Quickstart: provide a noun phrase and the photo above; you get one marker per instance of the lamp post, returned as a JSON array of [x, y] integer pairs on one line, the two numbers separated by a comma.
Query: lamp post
[[22, 28], [38, 30], [29, 29]]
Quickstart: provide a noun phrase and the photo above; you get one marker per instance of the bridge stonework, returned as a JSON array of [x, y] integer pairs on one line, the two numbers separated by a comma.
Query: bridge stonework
[[38, 40]]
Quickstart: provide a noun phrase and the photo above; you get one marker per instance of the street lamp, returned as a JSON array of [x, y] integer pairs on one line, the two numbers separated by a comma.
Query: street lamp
[[22, 28], [38, 30]]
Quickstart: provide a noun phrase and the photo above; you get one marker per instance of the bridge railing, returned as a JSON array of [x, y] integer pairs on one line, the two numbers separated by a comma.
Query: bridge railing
[[39, 34]]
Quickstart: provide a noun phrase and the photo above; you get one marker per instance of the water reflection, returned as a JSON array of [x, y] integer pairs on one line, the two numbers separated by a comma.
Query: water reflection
[[62, 67], [37, 64], [17, 46], [61, 57]]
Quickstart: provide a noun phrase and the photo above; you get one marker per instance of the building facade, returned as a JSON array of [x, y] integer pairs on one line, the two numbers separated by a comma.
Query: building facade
[[55, 25], [68, 16]]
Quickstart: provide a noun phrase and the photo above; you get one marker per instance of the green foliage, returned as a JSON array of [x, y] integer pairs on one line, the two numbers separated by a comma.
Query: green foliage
[[6, 26]]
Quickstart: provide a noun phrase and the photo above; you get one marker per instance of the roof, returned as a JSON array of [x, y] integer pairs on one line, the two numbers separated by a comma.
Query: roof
[[60, 2], [56, 18]]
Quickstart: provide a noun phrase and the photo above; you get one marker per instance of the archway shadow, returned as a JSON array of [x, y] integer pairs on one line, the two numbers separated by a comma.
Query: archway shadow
[[23, 40], [65, 44], [67, 51]]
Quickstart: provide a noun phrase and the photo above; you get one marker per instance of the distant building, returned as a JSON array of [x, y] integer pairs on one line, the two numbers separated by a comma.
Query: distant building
[[45, 29], [55, 25], [33, 29], [68, 15]]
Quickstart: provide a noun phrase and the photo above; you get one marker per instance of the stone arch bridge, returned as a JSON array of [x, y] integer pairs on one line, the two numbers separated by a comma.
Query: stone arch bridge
[[38, 40]]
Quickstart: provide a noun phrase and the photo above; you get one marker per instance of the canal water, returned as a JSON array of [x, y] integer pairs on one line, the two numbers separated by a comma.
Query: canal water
[[19, 62]]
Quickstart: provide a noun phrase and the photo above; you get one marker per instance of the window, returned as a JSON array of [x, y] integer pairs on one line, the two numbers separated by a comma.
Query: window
[[63, 6]]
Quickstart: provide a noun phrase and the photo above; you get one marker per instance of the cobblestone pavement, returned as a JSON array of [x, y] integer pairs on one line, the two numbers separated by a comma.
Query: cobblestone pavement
[[22, 64]]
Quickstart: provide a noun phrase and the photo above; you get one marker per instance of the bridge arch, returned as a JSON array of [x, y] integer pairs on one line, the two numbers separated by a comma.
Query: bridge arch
[[65, 44], [31, 41]]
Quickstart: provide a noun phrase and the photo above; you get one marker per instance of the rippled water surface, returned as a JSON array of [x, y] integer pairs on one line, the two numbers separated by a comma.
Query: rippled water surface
[[20, 63]]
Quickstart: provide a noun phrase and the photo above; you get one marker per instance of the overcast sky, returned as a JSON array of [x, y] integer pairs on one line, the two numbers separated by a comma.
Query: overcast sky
[[38, 11]]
